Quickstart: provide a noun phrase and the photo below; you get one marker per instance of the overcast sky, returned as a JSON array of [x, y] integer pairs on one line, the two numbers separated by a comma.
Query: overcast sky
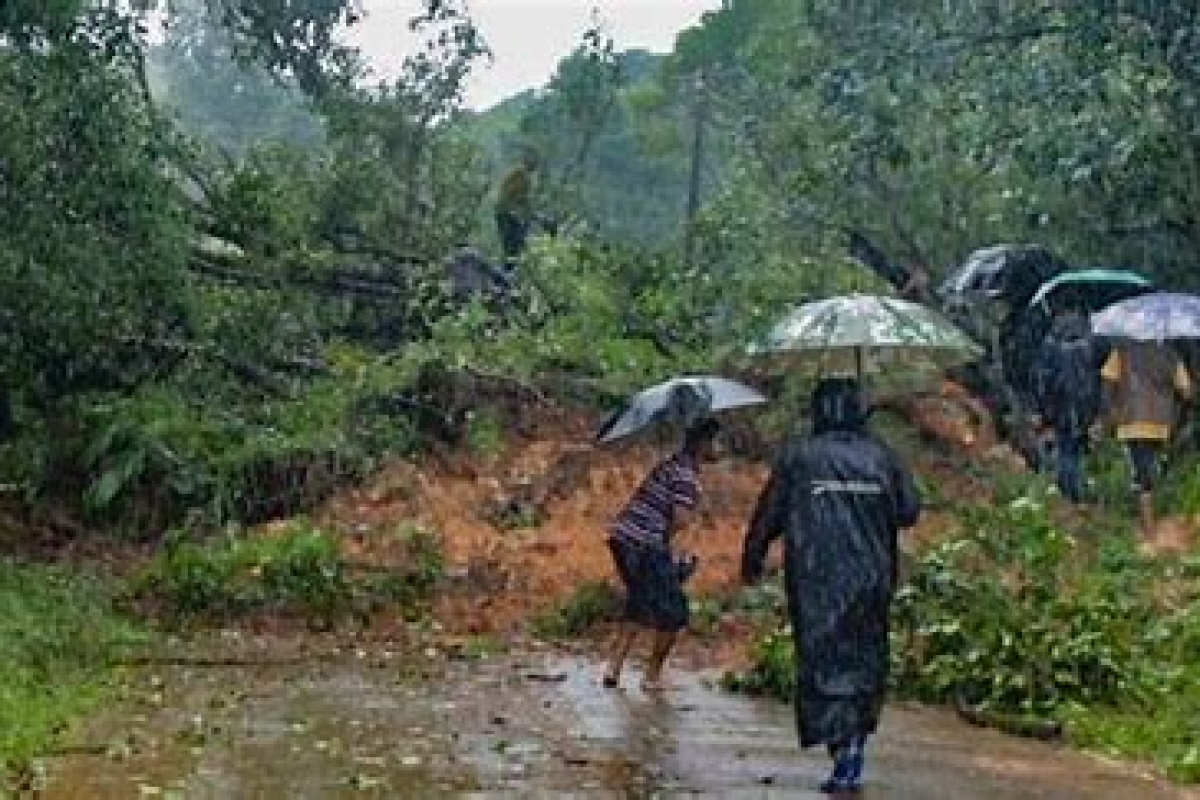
[[528, 37]]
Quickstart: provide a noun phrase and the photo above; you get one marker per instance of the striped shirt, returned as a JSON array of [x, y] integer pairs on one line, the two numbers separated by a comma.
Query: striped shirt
[[650, 515]]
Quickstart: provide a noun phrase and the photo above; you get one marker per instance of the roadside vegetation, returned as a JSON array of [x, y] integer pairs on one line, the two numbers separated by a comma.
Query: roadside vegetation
[[299, 571], [60, 633]]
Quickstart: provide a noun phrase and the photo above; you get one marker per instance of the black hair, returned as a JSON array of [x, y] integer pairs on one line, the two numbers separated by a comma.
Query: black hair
[[704, 430]]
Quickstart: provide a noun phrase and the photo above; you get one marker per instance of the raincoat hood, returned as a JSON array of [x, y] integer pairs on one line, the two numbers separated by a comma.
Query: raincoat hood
[[837, 406], [1071, 325]]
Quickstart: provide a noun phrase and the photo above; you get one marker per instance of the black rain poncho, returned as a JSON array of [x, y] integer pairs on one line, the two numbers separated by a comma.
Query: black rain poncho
[[838, 498], [1066, 376]]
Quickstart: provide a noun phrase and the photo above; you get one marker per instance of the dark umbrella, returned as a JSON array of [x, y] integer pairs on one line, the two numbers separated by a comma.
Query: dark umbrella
[[680, 400], [1006, 272], [1091, 289]]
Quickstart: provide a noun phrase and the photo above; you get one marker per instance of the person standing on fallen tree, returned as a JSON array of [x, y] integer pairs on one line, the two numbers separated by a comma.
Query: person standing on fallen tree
[[514, 207], [838, 499], [641, 543]]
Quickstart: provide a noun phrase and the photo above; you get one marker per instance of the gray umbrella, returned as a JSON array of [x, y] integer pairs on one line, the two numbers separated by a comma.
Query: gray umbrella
[[681, 401]]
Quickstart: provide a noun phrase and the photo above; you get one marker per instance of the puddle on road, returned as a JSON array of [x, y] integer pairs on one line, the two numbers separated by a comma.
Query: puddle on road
[[533, 726]]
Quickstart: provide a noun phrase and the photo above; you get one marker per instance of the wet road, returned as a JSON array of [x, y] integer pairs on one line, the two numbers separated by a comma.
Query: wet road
[[378, 725]]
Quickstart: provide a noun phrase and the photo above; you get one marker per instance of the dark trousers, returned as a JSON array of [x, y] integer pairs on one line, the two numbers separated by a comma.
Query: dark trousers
[[513, 232], [1144, 457], [1069, 458]]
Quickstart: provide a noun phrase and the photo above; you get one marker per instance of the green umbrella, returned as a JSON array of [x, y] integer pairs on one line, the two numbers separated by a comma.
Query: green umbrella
[[1101, 286], [883, 331]]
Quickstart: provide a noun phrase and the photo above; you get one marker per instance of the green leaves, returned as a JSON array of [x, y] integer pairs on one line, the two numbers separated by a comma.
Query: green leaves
[[936, 128], [1014, 617], [299, 569], [90, 255]]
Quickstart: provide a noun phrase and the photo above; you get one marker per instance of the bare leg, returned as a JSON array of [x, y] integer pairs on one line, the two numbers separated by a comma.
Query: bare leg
[[663, 642], [621, 647]]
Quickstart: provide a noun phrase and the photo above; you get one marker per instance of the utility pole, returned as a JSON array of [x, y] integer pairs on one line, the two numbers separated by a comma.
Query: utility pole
[[699, 113]]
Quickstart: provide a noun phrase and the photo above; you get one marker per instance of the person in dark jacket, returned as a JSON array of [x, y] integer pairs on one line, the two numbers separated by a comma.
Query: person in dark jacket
[[514, 207], [1066, 380], [641, 544], [838, 499]]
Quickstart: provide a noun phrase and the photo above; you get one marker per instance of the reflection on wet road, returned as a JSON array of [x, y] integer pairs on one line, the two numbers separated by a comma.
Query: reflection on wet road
[[381, 725]]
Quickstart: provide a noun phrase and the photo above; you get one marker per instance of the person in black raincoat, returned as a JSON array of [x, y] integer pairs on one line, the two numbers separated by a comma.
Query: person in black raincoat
[[1066, 380], [838, 499]]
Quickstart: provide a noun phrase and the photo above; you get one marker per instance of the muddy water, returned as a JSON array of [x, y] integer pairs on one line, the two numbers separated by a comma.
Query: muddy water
[[376, 724]]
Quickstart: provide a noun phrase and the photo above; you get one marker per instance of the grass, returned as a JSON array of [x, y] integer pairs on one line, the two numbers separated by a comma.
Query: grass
[[1160, 732], [58, 634], [591, 603]]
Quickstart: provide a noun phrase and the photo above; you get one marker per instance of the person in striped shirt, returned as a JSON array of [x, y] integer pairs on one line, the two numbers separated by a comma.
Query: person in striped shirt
[[640, 540]]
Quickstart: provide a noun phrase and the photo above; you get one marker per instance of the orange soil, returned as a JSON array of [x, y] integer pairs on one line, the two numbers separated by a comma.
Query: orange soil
[[507, 577]]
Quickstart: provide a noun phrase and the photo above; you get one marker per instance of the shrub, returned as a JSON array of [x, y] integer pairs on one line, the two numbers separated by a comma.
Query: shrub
[[58, 634], [773, 667], [1013, 617], [300, 570], [590, 604]]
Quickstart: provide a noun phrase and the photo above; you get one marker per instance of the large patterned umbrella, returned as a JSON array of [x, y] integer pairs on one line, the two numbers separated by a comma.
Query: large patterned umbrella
[[870, 329], [1157, 316]]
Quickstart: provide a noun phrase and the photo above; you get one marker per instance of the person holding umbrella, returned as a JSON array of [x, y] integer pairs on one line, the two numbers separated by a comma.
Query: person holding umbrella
[[641, 544], [1143, 383], [663, 506], [1145, 380], [1066, 383], [838, 500]]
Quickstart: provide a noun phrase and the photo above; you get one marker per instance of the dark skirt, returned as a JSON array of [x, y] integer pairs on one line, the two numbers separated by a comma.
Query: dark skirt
[[654, 595]]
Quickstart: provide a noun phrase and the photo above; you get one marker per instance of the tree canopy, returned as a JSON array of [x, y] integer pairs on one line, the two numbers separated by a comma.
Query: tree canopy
[[227, 246]]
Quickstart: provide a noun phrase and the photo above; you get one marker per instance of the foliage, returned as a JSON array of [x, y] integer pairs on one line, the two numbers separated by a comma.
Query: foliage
[[935, 128], [298, 570], [293, 39], [88, 271], [601, 127], [58, 635], [154, 458], [588, 605], [176, 316], [1010, 617], [772, 669]]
